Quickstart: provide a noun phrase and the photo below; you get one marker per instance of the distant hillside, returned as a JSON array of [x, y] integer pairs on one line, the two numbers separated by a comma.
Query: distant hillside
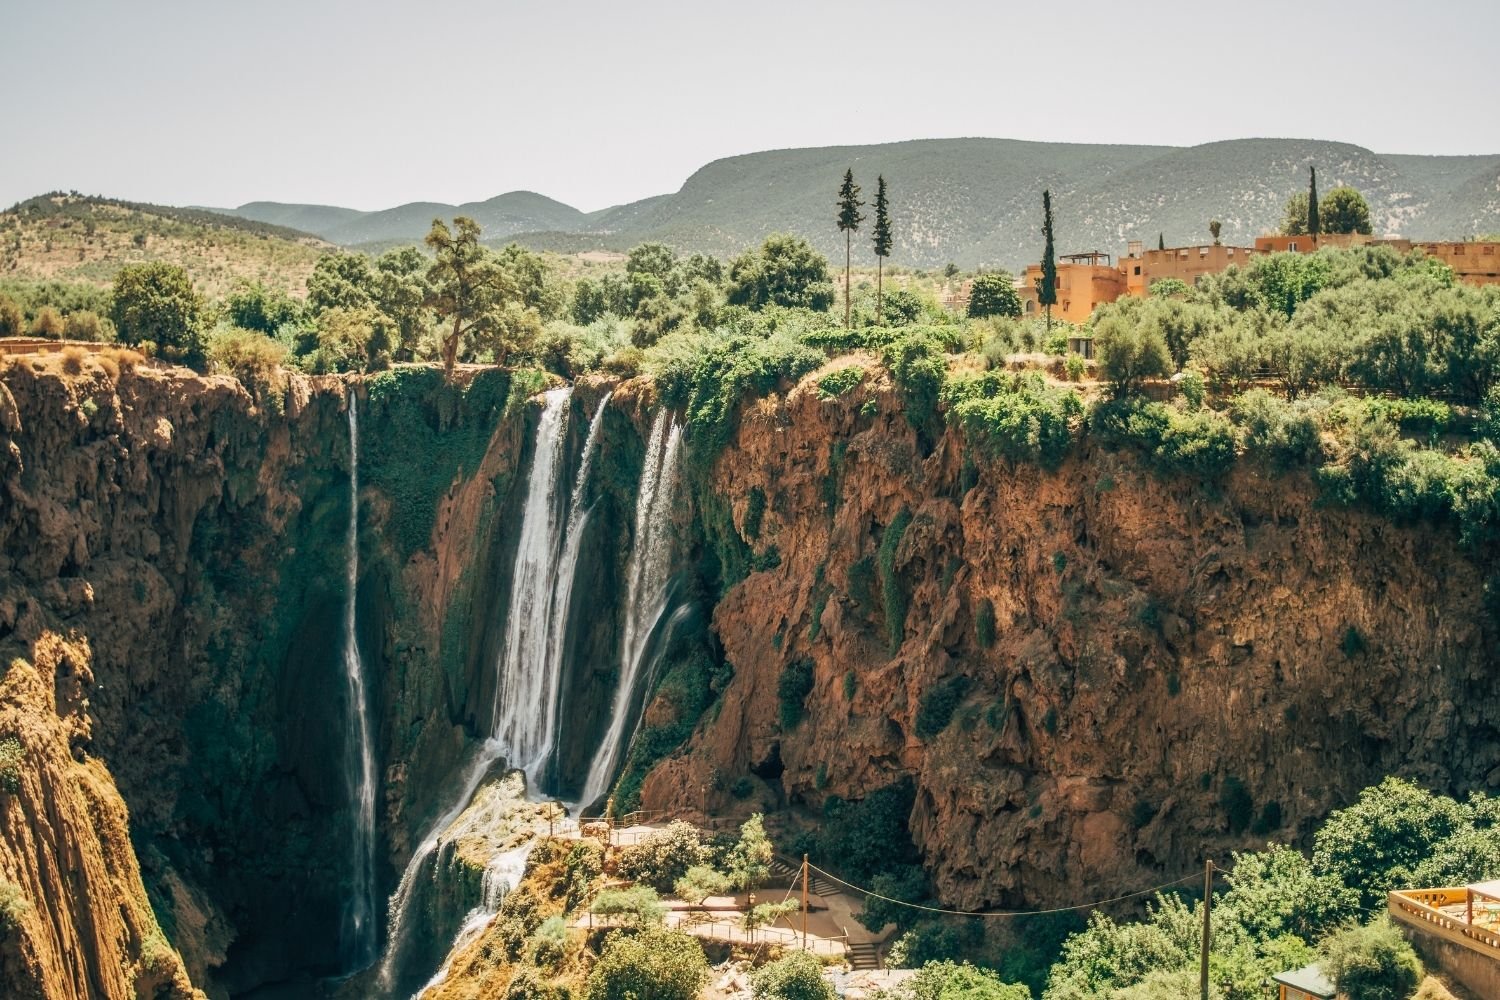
[[70, 237], [515, 212], [974, 201]]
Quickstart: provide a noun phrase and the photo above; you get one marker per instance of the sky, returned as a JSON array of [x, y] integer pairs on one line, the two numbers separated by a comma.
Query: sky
[[374, 103]]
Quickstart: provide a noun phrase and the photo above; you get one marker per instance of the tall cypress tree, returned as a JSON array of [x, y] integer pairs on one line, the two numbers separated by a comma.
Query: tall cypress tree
[[882, 241], [1314, 224], [1161, 241], [849, 220], [1046, 292]]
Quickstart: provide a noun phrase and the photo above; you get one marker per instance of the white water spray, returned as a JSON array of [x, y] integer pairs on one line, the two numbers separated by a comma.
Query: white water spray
[[360, 933], [562, 595], [647, 575], [524, 720], [526, 691]]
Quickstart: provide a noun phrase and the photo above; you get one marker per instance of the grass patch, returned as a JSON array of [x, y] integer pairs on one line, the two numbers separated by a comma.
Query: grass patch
[[792, 689], [935, 711], [893, 594]]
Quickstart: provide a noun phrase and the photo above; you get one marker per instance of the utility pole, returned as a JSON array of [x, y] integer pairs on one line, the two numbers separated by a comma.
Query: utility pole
[[1208, 905], [804, 902]]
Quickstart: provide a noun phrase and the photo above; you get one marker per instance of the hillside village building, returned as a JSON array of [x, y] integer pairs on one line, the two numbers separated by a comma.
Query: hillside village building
[[1086, 281]]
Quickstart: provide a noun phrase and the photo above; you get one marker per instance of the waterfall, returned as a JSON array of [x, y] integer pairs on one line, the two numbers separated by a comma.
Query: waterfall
[[527, 670], [360, 933], [647, 577], [562, 594], [502, 875], [526, 692]]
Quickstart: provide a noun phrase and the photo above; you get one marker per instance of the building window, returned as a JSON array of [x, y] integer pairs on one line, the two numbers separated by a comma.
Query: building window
[[1030, 306], [1292, 246], [1138, 269]]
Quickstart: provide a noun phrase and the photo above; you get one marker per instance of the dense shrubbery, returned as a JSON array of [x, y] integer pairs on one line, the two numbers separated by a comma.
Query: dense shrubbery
[[795, 976], [655, 963], [1198, 444], [1281, 910], [710, 377], [792, 689], [665, 856], [1015, 417], [938, 704]]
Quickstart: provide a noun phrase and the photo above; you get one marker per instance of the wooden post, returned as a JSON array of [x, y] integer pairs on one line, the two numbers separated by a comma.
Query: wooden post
[[804, 902], [1208, 905], [1469, 899]]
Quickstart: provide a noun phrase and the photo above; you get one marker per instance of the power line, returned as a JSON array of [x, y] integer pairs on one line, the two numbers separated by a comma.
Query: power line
[[1003, 913]]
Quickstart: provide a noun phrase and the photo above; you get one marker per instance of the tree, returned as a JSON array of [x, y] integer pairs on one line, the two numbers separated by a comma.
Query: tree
[[401, 293], [639, 905], [1046, 292], [766, 914], [664, 857], [1377, 843], [1314, 224], [1161, 241], [1294, 215], [47, 323], [795, 976], [12, 320], [700, 882], [1344, 210], [253, 306], [782, 271], [655, 964], [849, 220], [882, 242], [468, 287], [156, 302], [340, 281], [949, 980], [993, 294], [750, 858], [1373, 962], [1214, 226], [1131, 349], [655, 259]]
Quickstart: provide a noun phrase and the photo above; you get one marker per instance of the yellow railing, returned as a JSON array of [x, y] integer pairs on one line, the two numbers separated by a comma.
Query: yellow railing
[[1419, 908]]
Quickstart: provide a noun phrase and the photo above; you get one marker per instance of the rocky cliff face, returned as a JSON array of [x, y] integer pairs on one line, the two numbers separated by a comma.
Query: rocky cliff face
[[1093, 677], [1090, 677], [193, 538]]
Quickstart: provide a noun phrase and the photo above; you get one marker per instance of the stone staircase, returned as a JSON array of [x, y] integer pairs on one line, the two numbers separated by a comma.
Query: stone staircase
[[784, 871], [864, 955]]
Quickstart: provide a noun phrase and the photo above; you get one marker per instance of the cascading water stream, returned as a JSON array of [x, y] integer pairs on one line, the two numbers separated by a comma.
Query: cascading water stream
[[647, 577], [526, 691], [562, 595], [524, 720], [360, 933]]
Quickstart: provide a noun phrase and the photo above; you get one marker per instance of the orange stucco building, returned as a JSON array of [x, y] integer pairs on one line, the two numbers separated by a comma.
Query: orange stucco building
[[1188, 264], [1476, 262], [1084, 282]]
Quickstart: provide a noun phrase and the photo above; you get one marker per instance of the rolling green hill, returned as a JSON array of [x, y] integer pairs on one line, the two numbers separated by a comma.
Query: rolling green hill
[[501, 216], [70, 237], [974, 201]]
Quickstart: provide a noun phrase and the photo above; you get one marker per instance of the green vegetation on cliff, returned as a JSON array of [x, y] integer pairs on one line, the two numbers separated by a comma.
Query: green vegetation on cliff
[[1281, 909]]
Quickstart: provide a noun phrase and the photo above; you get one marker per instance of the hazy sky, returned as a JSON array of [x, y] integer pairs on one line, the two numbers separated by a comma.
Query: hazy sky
[[373, 103]]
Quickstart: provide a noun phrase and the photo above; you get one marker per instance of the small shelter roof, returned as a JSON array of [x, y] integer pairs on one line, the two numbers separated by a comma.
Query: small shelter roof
[[1309, 979]]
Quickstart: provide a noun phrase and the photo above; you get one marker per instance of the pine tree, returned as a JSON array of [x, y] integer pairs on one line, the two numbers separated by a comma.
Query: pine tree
[[882, 241], [849, 220], [1314, 224], [1046, 292]]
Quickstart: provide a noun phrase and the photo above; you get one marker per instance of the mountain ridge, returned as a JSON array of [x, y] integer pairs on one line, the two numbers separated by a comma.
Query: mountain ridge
[[973, 201]]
